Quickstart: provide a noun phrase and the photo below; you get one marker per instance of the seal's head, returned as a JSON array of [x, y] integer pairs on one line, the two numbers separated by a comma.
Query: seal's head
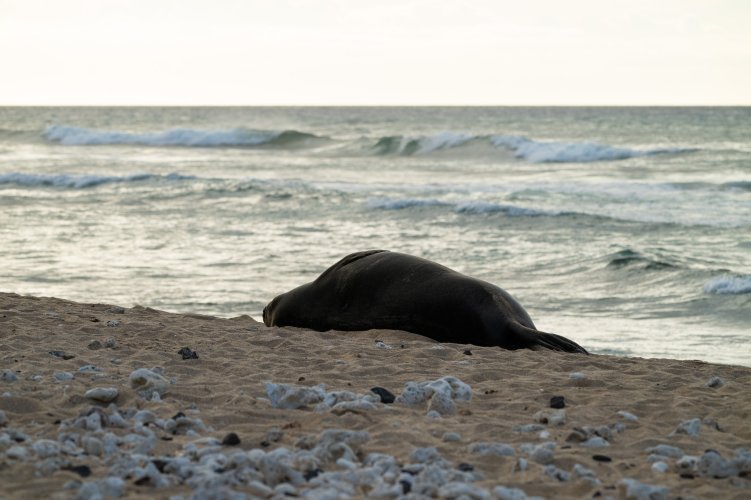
[[268, 311]]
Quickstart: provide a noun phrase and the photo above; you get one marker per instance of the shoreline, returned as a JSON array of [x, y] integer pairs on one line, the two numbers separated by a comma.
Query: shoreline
[[628, 412]]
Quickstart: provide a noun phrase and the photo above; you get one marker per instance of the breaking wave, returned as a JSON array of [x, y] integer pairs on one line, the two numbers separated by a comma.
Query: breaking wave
[[461, 207], [80, 181], [728, 284], [522, 147], [187, 137]]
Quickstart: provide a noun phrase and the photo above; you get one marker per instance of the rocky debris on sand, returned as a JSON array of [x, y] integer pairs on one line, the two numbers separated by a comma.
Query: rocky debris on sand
[[497, 449], [187, 353], [715, 382], [710, 464], [62, 354], [110, 343], [292, 397], [102, 394], [441, 394], [149, 382], [690, 427], [551, 416], [628, 416], [113, 322], [557, 402], [63, 376], [89, 369], [634, 490], [8, 376], [94, 345], [542, 453]]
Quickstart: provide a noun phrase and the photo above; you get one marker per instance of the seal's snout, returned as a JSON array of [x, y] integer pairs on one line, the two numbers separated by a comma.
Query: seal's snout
[[266, 316]]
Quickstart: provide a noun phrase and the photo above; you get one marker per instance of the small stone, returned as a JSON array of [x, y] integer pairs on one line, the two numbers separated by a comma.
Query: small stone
[[8, 376], [467, 352], [497, 449], [92, 446], [660, 467], [110, 343], [94, 345], [63, 376], [81, 470], [628, 416], [62, 354], [147, 383], [45, 448], [387, 397], [715, 382], [665, 450], [231, 439], [601, 458], [451, 437], [557, 402], [641, 491], [556, 473], [116, 310], [187, 353], [89, 369], [595, 442], [504, 493], [17, 452], [113, 322], [274, 435], [551, 417], [690, 427], [102, 394]]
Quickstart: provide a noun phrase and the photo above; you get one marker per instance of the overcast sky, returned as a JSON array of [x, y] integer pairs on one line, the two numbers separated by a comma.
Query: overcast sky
[[375, 52]]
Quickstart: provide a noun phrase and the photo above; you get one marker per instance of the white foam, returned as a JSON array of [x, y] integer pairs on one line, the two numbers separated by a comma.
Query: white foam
[[79, 181], [401, 203], [571, 152], [79, 136], [728, 284]]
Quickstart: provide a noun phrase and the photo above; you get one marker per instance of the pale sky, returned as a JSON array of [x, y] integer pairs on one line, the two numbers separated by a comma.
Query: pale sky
[[375, 52]]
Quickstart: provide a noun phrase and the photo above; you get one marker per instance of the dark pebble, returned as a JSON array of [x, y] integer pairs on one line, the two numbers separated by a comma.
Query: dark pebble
[[602, 458], [312, 473], [464, 467], [178, 415], [62, 354], [188, 353], [387, 397], [231, 439], [81, 470], [687, 475], [159, 464], [467, 352], [406, 486], [557, 402]]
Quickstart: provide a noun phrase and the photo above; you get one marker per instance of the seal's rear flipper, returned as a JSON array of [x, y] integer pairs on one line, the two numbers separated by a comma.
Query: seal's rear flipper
[[535, 339]]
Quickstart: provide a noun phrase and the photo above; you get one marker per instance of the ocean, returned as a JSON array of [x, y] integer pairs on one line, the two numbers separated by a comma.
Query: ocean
[[627, 230]]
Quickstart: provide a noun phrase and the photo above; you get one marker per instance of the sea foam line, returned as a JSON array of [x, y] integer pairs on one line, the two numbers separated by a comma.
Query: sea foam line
[[728, 284], [80, 136], [79, 181]]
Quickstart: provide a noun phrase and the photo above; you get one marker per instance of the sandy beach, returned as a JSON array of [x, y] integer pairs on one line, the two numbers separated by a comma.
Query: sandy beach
[[249, 416]]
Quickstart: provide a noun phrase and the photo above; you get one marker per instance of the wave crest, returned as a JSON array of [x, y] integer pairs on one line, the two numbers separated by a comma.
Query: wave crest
[[80, 181], [728, 284], [187, 137]]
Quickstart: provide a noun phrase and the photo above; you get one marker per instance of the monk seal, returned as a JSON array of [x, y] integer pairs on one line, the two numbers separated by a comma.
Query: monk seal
[[390, 290]]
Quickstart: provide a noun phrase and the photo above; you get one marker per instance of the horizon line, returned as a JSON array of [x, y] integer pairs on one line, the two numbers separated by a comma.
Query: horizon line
[[2, 105]]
